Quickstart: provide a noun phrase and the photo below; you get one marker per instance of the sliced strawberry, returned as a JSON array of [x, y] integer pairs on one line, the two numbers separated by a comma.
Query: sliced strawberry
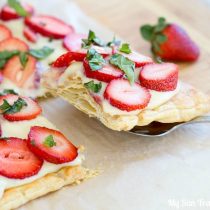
[[121, 94], [66, 59], [9, 13], [106, 74], [14, 71], [63, 61], [16, 160], [61, 151], [139, 59], [49, 26], [30, 35], [159, 77], [73, 41], [13, 44], [5, 32], [31, 111]]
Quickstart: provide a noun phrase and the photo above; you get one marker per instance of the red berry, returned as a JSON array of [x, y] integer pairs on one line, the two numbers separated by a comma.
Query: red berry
[[16, 160], [106, 74], [121, 94], [5, 33], [159, 77], [49, 26], [31, 111], [9, 13], [61, 151]]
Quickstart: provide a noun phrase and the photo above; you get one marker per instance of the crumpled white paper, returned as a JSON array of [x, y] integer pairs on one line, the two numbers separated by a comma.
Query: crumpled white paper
[[171, 172]]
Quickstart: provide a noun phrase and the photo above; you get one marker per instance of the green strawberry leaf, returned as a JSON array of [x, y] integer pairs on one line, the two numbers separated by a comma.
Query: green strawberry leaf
[[147, 32]]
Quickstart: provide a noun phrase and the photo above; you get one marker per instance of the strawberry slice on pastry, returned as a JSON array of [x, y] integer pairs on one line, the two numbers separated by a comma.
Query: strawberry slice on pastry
[[51, 145], [16, 159]]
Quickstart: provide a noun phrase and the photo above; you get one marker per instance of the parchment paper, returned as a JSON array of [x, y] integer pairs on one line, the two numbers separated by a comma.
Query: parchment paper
[[138, 173]]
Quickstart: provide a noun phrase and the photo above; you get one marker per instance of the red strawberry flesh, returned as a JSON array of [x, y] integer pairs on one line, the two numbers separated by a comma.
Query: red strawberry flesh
[[106, 74], [159, 77], [5, 32], [30, 35], [49, 26], [9, 13], [31, 111], [16, 160], [13, 44], [121, 94], [139, 59], [64, 151]]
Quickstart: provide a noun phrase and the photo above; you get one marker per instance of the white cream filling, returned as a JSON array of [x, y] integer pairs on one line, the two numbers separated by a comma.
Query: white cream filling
[[157, 98], [17, 26], [21, 130]]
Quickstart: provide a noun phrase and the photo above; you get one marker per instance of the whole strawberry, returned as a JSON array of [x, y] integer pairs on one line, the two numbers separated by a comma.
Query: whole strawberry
[[170, 41]]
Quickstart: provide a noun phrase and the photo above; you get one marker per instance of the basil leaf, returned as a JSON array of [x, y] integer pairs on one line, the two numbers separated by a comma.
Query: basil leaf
[[16, 107], [5, 106], [41, 53], [114, 42], [96, 61], [126, 65], [8, 54], [125, 48], [23, 58], [2, 63], [93, 86], [49, 141], [18, 8], [92, 39], [8, 91]]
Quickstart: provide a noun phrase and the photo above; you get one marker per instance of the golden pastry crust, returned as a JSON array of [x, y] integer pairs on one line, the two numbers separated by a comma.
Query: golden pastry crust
[[186, 105], [20, 195]]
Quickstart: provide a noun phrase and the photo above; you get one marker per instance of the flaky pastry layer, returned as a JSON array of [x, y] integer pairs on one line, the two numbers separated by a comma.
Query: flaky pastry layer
[[189, 103], [20, 195]]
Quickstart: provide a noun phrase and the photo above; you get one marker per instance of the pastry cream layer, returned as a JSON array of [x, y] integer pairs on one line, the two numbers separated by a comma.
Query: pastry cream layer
[[21, 130], [157, 98]]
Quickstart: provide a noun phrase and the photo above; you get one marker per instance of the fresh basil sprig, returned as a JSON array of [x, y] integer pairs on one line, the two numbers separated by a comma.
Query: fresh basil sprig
[[16, 5], [6, 108], [114, 42], [41, 53], [125, 48], [96, 61], [92, 39], [95, 87], [8, 91], [49, 141], [23, 59], [126, 65]]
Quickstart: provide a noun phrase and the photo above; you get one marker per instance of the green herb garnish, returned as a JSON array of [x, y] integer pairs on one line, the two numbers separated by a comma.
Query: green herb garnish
[[126, 65], [93, 86], [16, 5], [8, 91], [6, 55], [125, 48], [5, 106], [92, 39], [96, 61], [11, 109], [23, 58], [41, 53], [49, 141], [114, 42]]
